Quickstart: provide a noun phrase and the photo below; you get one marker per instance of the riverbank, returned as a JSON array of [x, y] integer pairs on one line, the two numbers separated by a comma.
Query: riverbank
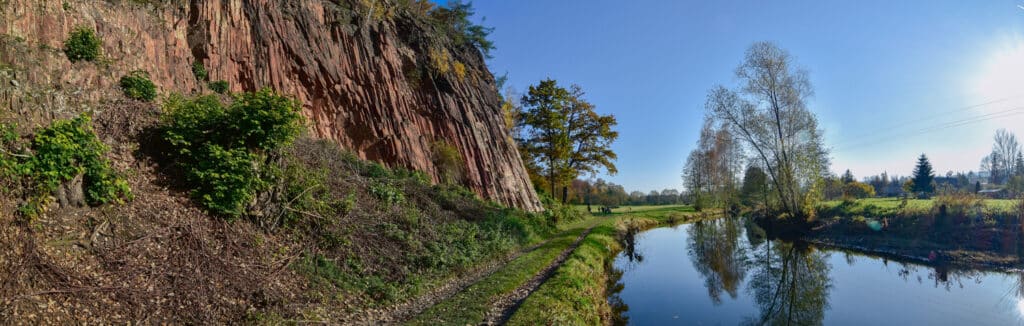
[[961, 231], [577, 292]]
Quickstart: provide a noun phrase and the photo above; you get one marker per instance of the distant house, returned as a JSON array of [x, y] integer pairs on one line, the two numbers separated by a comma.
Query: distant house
[[995, 193]]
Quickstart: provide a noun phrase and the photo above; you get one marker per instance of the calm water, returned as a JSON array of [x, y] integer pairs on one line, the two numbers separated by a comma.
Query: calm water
[[724, 272]]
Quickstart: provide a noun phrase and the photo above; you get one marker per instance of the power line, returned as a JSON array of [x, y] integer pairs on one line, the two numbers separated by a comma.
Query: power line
[[941, 126], [892, 127]]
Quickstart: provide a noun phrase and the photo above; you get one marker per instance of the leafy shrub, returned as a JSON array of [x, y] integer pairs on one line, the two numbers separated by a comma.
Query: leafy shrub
[[858, 190], [59, 153], [82, 44], [137, 86], [387, 193], [224, 150], [377, 171], [220, 86], [199, 70]]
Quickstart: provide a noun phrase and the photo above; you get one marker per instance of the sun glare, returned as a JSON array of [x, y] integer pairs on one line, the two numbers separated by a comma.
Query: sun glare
[[1020, 306], [1001, 76]]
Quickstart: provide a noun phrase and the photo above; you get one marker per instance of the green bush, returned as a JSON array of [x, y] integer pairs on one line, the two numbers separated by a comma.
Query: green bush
[[387, 193], [82, 44], [59, 153], [224, 151], [199, 70], [137, 86], [220, 86]]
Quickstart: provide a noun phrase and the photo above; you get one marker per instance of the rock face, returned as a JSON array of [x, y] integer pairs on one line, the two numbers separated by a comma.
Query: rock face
[[365, 78]]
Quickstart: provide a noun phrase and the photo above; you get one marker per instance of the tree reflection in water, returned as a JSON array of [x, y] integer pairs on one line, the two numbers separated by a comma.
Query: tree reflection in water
[[717, 254], [790, 284], [615, 287]]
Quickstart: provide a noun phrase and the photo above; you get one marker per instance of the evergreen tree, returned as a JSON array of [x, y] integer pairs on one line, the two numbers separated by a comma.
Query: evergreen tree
[[1018, 164], [977, 186], [848, 176], [923, 176]]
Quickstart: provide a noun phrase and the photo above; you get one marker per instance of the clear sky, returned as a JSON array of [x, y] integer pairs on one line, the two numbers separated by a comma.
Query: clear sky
[[893, 79]]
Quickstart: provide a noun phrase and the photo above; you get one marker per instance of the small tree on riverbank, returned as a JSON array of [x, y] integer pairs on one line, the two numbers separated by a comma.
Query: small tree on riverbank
[[923, 177]]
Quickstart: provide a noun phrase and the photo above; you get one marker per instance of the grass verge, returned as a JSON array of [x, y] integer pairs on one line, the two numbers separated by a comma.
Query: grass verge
[[575, 295], [471, 305]]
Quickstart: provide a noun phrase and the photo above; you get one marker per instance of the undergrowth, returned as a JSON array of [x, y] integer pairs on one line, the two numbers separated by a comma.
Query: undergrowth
[[57, 154]]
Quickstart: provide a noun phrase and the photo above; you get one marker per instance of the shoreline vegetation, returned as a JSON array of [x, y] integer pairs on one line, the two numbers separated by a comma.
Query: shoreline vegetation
[[962, 230]]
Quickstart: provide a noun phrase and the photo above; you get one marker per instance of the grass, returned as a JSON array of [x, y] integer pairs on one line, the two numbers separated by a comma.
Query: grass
[[890, 205], [472, 304], [575, 294]]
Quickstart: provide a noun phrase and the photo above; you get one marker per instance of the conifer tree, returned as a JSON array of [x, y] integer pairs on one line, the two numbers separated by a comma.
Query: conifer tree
[[923, 176]]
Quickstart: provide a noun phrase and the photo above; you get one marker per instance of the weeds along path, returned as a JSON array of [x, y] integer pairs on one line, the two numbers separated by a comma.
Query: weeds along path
[[405, 311], [472, 303], [506, 305]]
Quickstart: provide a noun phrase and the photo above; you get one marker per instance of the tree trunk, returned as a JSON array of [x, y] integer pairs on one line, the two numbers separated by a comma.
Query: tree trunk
[[565, 194]]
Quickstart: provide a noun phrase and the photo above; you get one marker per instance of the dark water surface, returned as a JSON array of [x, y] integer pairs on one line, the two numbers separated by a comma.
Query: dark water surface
[[724, 272]]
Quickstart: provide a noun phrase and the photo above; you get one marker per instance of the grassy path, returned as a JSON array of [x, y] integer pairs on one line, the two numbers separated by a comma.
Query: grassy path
[[576, 293], [472, 304], [404, 311], [506, 304], [564, 276]]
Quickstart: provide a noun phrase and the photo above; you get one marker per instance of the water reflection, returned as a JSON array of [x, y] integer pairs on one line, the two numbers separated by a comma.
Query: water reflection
[[790, 284], [736, 275], [716, 253]]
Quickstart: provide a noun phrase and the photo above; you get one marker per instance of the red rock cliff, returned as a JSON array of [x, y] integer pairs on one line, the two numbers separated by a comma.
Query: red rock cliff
[[365, 80]]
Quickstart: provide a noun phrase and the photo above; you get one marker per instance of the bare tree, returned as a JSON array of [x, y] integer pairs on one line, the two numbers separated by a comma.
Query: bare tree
[[769, 114], [1001, 163]]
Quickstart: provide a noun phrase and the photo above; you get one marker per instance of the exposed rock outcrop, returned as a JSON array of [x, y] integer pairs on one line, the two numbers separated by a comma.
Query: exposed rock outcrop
[[365, 81]]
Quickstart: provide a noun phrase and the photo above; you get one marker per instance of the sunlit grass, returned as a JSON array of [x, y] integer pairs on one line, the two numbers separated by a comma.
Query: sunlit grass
[[892, 203]]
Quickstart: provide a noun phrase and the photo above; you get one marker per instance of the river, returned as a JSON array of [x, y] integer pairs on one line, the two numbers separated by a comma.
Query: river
[[725, 272]]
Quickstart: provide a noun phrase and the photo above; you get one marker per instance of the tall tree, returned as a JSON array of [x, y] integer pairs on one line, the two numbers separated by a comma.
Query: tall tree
[[848, 176], [711, 169], [1001, 164], [769, 114], [561, 135], [923, 176]]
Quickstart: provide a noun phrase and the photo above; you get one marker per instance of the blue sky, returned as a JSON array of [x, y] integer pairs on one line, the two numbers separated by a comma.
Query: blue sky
[[892, 79]]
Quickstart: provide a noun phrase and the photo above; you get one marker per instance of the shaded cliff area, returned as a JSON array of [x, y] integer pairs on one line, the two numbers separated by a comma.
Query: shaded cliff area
[[384, 83]]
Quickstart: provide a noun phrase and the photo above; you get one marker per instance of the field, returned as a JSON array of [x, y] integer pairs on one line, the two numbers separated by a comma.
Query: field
[[891, 204]]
